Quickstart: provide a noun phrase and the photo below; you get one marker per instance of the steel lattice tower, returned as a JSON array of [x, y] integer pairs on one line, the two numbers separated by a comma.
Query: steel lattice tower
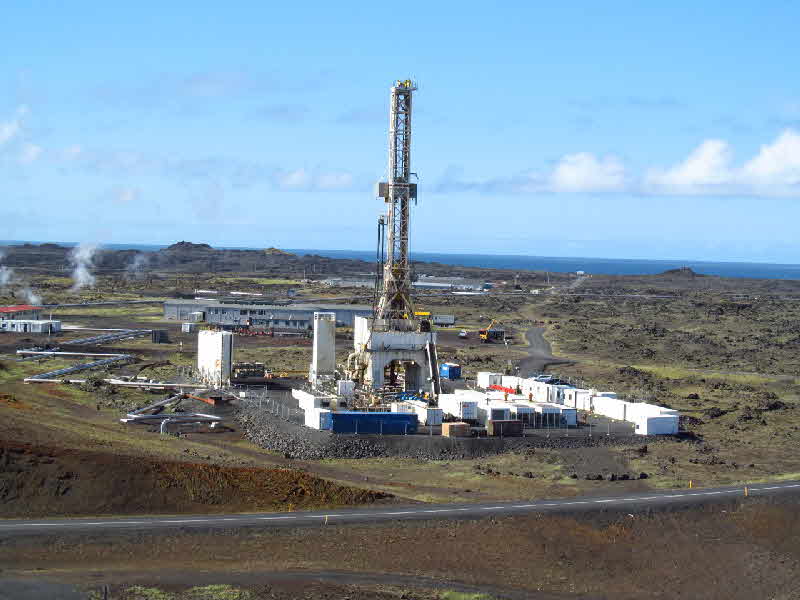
[[395, 310]]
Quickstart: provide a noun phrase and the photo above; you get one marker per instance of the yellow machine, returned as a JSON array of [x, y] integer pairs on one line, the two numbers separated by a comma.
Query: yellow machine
[[491, 333]]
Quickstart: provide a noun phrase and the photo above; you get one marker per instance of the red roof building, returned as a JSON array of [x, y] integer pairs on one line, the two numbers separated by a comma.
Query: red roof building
[[20, 311]]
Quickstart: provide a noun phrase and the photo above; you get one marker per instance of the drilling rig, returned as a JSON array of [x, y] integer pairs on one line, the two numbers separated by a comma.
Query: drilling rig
[[396, 350]]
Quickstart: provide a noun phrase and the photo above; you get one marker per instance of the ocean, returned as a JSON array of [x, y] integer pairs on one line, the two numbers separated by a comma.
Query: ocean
[[559, 264]]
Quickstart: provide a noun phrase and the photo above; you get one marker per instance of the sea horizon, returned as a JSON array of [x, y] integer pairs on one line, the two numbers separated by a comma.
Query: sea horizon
[[558, 264]]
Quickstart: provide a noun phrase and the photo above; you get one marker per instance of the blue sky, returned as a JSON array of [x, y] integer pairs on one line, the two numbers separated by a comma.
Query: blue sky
[[623, 129]]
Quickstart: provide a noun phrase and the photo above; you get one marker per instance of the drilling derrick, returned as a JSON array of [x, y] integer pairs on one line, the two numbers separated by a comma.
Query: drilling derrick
[[395, 310], [395, 349]]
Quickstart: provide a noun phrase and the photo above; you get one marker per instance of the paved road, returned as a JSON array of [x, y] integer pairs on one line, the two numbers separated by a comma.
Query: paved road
[[539, 354], [629, 502]]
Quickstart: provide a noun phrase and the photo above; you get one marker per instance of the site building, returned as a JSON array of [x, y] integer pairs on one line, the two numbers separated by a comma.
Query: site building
[[214, 357], [21, 312], [298, 317], [30, 326]]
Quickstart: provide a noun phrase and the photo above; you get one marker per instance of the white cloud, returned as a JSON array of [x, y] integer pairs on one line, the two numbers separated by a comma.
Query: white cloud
[[29, 153], [11, 129], [302, 179], [334, 181], [299, 178], [585, 172], [125, 195], [777, 163], [709, 169], [707, 165], [72, 152]]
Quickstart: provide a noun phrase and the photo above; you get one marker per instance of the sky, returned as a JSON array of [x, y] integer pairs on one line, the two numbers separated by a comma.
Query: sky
[[616, 129]]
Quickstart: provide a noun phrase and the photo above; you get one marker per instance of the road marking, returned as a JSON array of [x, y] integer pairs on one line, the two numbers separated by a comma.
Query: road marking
[[183, 521], [246, 518]]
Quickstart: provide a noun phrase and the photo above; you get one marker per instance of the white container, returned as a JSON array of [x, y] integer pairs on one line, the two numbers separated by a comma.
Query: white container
[[510, 381], [318, 418], [657, 425], [189, 327], [401, 407], [460, 406], [488, 378]]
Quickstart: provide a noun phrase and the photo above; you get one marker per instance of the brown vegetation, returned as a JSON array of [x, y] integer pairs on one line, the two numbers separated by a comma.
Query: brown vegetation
[[47, 481]]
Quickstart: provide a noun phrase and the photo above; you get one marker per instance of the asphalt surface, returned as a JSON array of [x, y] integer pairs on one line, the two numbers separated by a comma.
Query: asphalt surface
[[629, 502]]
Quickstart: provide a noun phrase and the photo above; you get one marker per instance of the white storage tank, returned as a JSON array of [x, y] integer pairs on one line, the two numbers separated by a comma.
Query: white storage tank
[[323, 357], [214, 357]]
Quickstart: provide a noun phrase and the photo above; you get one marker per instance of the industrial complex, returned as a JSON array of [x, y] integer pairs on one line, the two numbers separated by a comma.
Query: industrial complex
[[389, 381]]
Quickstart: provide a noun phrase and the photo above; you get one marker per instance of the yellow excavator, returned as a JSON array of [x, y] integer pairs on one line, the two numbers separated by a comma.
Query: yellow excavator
[[492, 334]]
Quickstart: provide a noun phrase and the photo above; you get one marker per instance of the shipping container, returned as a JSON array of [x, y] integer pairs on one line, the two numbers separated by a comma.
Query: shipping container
[[510, 381], [504, 428], [318, 418], [657, 425], [459, 405], [374, 422], [487, 378], [457, 429], [450, 371]]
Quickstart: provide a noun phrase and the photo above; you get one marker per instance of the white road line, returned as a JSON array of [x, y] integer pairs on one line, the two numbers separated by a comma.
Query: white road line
[[245, 518], [184, 521]]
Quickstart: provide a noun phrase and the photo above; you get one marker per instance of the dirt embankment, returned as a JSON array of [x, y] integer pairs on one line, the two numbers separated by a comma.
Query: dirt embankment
[[43, 481]]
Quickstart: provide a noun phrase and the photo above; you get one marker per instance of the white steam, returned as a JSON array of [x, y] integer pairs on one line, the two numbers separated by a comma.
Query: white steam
[[28, 295], [82, 258], [137, 266], [9, 277]]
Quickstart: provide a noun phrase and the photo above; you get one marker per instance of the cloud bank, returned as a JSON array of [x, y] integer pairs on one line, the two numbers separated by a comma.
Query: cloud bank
[[709, 169]]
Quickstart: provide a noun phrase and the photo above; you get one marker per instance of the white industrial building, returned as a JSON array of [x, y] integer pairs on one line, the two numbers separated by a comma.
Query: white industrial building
[[30, 326], [214, 357]]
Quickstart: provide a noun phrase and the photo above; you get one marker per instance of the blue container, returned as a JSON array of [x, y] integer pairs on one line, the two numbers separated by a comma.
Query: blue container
[[374, 422], [450, 371]]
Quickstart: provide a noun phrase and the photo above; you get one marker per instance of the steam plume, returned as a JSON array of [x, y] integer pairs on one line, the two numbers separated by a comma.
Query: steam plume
[[135, 268], [82, 258], [28, 295], [7, 275]]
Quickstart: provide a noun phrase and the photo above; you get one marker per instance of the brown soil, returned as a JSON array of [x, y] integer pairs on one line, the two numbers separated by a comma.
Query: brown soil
[[731, 552], [47, 481]]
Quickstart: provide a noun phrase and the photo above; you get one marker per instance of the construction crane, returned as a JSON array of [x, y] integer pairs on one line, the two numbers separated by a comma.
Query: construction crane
[[491, 334]]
